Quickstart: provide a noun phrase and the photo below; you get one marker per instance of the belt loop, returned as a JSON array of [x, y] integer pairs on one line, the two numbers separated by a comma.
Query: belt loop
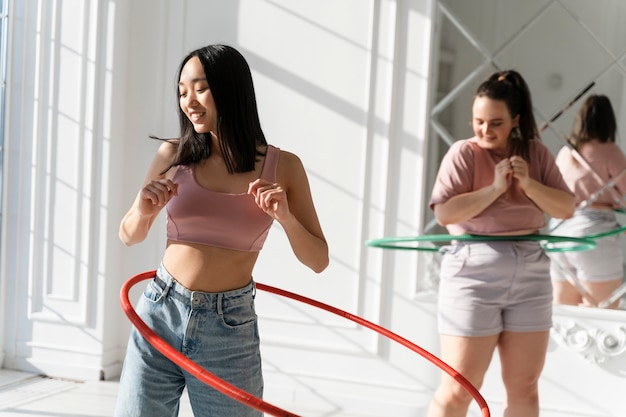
[[218, 300], [168, 287], [253, 290]]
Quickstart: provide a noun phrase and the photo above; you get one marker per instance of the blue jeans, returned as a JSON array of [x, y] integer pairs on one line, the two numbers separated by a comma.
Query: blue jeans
[[218, 331]]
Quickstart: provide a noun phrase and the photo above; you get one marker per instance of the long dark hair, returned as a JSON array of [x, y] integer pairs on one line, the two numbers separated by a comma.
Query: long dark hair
[[511, 88], [595, 120], [238, 126]]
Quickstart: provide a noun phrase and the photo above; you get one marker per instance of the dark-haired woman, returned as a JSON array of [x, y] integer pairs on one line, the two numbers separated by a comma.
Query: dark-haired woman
[[496, 294], [589, 165], [222, 186]]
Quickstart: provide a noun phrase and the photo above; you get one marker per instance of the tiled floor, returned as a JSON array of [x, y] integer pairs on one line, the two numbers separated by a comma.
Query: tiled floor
[[28, 395]]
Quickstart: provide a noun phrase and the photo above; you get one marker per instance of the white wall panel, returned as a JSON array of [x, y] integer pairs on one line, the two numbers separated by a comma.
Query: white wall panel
[[58, 99]]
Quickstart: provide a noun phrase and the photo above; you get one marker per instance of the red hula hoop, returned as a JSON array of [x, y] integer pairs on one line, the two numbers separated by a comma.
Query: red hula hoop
[[248, 399]]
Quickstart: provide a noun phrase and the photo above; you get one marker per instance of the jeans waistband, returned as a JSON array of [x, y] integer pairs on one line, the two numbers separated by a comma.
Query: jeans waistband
[[200, 299]]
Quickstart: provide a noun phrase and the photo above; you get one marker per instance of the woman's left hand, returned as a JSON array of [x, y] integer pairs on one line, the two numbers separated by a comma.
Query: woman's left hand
[[271, 198], [519, 168]]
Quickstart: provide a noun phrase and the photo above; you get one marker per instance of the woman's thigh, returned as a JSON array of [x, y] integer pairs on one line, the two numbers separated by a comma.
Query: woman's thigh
[[522, 357], [470, 356]]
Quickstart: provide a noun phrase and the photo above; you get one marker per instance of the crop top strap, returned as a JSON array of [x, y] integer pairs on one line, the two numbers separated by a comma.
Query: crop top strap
[[271, 163]]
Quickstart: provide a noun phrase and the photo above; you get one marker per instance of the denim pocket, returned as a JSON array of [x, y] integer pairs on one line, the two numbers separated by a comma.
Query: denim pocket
[[153, 292], [238, 314]]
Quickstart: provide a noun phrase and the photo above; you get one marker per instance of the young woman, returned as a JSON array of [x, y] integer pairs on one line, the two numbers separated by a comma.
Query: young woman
[[598, 271], [496, 294], [222, 186]]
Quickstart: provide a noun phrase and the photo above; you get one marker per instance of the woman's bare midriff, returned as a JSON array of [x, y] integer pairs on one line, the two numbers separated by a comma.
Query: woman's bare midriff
[[517, 233], [208, 268], [601, 206]]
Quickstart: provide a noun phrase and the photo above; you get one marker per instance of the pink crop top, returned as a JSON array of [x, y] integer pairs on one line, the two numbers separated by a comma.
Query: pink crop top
[[231, 221]]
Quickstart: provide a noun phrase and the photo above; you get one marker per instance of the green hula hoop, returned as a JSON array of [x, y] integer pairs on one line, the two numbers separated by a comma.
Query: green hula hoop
[[549, 242], [619, 230], [616, 231]]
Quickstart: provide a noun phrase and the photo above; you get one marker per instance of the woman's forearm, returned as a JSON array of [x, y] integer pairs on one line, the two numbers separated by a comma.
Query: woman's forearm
[[465, 206], [311, 250], [134, 227]]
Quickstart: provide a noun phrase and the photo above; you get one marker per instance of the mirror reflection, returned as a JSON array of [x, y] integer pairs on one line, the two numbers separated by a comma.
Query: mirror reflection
[[567, 50], [594, 168]]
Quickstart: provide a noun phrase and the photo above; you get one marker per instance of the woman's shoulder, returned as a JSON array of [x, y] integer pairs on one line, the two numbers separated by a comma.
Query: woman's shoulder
[[608, 147], [289, 167], [165, 156], [596, 148], [168, 148], [465, 145], [539, 148], [463, 148], [287, 159]]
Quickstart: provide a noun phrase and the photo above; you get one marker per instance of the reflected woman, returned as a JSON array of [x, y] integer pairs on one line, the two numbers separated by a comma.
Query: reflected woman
[[598, 271]]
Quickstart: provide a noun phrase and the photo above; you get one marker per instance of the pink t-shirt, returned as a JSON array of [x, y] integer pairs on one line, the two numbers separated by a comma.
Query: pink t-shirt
[[605, 158], [468, 167]]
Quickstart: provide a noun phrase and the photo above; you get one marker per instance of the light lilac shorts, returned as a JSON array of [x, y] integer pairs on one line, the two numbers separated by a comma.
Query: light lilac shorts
[[604, 263], [488, 287]]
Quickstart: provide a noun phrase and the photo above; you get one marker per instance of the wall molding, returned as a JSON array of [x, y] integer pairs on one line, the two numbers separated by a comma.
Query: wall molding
[[597, 335]]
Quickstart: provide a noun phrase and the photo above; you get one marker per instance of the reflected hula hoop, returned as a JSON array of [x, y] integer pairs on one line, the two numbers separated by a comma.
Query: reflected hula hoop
[[549, 242], [621, 229], [248, 399]]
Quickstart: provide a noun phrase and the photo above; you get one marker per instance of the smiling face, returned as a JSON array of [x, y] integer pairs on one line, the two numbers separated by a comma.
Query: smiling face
[[492, 123], [195, 97]]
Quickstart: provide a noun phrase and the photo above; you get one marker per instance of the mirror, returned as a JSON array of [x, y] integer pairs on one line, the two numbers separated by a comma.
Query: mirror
[[565, 49]]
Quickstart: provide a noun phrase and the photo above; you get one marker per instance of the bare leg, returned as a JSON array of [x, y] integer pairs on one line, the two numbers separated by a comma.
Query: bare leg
[[602, 290], [470, 356], [522, 356], [566, 293]]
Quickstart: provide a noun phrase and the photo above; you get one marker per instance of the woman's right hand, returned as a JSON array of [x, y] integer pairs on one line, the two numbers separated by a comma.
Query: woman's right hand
[[157, 190], [155, 195], [502, 174]]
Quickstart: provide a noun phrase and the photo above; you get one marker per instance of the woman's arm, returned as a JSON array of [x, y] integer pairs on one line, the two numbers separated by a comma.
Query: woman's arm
[[554, 202], [290, 203], [463, 207], [156, 191]]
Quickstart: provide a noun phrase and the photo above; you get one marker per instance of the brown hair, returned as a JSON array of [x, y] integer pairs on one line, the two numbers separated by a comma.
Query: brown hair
[[595, 120], [509, 86]]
